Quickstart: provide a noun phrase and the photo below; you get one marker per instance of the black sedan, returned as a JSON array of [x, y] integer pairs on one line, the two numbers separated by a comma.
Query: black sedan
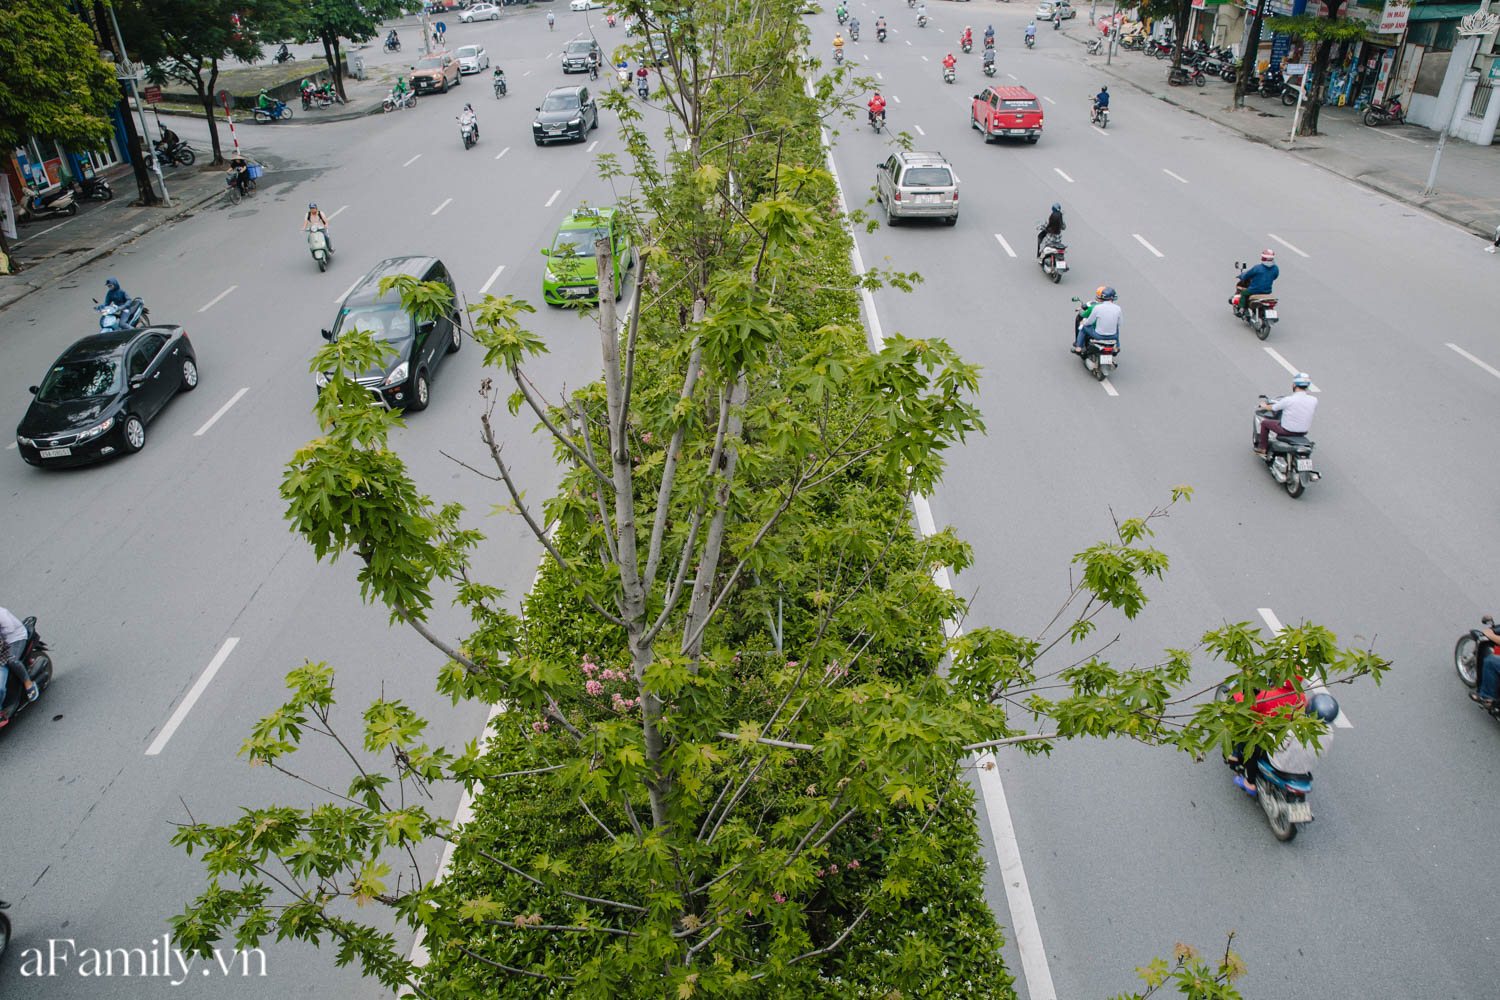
[[97, 397]]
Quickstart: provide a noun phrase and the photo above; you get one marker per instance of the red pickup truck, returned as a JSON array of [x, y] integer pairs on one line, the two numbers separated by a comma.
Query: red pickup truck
[[1007, 111]]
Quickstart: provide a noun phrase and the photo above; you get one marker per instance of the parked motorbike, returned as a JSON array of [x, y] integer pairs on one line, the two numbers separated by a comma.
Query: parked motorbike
[[1180, 76], [468, 130], [1468, 656], [284, 54], [94, 188], [1283, 780], [1135, 43], [1098, 116], [1095, 44], [1161, 48], [1385, 113], [1053, 256], [317, 245], [38, 666], [312, 98], [37, 205], [130, 316], [949, 74], [277, 112], [1100, 357], [1271, 84], [1288, 458], [1291, 90], [1260, 314]]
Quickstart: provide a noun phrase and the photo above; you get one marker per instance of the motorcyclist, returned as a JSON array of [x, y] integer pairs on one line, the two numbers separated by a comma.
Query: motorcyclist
[[989, 58], [283, 54], [239, 172], [1031, 30], [1294, 413], [922, 12], [1100, 320], [499, 80], [1489, 673], [642, 82], [12, 642], [1101, 101], [393, 40], [838, 42], [468, 117], [989, 36], [877, 107], [949, 62], [1053, 228], [841, 13], [115, 296], [1283, 700], [854, 29], [880, 25], [967, 38], [265, 101], [316, 219], [1256, 282]]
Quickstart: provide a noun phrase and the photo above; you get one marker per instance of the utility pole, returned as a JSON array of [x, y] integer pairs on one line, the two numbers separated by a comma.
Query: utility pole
[[1114, 30], [134, 79], [1473, 27]]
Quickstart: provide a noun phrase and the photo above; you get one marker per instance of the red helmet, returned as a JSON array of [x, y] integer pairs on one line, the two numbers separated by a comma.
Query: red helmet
[[1267, 256]]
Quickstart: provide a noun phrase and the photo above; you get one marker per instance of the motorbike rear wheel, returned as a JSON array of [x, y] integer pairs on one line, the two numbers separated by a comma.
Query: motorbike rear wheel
[[1289, 97], [1261, 327], [1275, 808], [1372, 119], [1466, 660], [1294, 484]]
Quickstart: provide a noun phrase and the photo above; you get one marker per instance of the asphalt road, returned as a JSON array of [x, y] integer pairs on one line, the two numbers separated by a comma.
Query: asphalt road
[[1127, 851], [146, 570]]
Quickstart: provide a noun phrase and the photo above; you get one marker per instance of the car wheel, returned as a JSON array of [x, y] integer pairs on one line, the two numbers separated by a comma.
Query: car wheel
[[445, 85], [456, 340], [890, 219], [952, 220], [134, 433], [189, 375], [1032, 138], [537, 141], [421, 392]]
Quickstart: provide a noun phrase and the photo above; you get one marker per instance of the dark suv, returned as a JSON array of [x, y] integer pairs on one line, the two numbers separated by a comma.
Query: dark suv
[[577, 54], [402, 381], [565, 113]]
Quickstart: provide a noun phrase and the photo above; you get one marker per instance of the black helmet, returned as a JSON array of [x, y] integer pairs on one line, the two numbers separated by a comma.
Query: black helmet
[[1324, 706], [1104, 88], [1057, 206]]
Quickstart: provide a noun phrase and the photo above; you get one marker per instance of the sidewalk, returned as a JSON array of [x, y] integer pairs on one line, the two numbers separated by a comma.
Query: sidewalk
[[1393, 159], [53, 249]]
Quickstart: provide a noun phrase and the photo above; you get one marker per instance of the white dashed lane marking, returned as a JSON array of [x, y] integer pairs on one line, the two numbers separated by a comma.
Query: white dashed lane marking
[[1142, 241], [1175, 177]]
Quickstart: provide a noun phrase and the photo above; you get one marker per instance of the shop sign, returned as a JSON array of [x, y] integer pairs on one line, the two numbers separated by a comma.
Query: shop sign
[[151, 94], [1394, 17], [1495, 70]]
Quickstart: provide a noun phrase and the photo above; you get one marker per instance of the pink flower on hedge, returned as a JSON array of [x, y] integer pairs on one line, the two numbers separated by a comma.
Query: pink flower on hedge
[[778, 897], [852, 864], [594, 688], [646, 437], [833, 869]]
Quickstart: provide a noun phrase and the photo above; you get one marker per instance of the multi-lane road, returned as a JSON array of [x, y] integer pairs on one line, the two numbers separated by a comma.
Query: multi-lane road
[[1125, 850], [176, 598]]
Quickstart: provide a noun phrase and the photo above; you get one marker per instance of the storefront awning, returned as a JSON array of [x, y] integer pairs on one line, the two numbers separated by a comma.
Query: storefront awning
[[1441, 11]]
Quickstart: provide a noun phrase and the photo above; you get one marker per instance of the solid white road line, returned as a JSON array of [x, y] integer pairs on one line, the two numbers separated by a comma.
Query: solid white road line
[[194, 693], [591, 146], [919, 129], [216, 299], [1392, 135], [445, 204], [484, 289], [1284, 243], [1175, 177], [414, 159], [502, 152], [1005, 244], [1274, 624], [1024, 928], [1465, 354], [553, 198], [1290, 368], [1109, 388], [222, 410], [1048, 99], [340, 300], [336, 212], [1063, 175], [1142, 241]]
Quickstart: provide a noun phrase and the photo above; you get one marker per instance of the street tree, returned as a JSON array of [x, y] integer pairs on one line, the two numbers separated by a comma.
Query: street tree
[[1252, 51], [186, 40], [1325, 32], [1180, 11], [53, 85], [330, 21], [728, 758]]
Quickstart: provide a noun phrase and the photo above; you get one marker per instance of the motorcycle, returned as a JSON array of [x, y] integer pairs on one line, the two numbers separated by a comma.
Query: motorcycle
[[1052, 258], [315, 98], [1099, 116], [643, 88], [949, 74], [843, 15], [1099, 357], [393, 44], [1271, 84], [1468, 656], [1283, 781], [317, 245], [838, 55], [284, 54], [624, 75], [1031, 41], [500, 89], [1095, 44], [877, 122], [468, 131], [277, 112], [95, 188], [967, 45], [989, 69], [38, 664], [1382, 114], [1180, 76], [1260, 313], [394, 101], [1288, 458], [130, 316], [181, 153], [1135, 43], [4, 927], [921, 20], [880, 34], [1291, 92], [37, 205], [853, 34], [1161, 48]]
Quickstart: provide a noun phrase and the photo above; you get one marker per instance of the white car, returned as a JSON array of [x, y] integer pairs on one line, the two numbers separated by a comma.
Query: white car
[[1061, 8], [473, 59], [587, 4], [480, 12]]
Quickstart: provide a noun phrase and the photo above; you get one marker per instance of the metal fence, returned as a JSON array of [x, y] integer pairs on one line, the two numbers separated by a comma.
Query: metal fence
[[1480, 105]]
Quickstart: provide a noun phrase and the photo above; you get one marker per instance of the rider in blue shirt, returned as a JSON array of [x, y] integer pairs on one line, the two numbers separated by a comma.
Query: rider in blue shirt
[[1258, 279], [116, 295]]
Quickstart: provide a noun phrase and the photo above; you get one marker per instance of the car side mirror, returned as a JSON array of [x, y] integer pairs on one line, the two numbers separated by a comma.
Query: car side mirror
[[880, 165], [978, 96], [427, 326], [539, 107], [327, 335], [33, 389]]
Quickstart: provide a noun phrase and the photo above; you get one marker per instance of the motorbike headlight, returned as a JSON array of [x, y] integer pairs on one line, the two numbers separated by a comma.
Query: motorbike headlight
[[97, 429], [397, 376]]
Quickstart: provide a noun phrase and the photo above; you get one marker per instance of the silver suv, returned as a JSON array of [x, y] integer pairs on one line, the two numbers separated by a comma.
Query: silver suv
[[917, 185]]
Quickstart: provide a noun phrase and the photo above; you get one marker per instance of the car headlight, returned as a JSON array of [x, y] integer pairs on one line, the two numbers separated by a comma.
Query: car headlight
[[575, 121], [321, 379], [97, 429], [549, 275], [26, 441], [396, 377]]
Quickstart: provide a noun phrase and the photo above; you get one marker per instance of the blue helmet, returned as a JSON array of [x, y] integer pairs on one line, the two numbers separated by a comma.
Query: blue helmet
[[1106, 294], [111, 283], [1323, 706], [1301, 380]]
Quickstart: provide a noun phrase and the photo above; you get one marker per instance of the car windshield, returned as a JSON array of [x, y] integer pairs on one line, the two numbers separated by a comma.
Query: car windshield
[[578, 242], [560, 102], [388, 323], [80, 379], [468, 52], [431, 62], [580, 46], [928, 177]]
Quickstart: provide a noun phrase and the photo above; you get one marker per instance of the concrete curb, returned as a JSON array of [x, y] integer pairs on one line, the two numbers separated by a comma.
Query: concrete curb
[[1482, 230], [342, 116]]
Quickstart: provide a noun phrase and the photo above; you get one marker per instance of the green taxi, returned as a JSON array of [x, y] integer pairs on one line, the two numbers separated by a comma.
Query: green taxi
[[572, 274]]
